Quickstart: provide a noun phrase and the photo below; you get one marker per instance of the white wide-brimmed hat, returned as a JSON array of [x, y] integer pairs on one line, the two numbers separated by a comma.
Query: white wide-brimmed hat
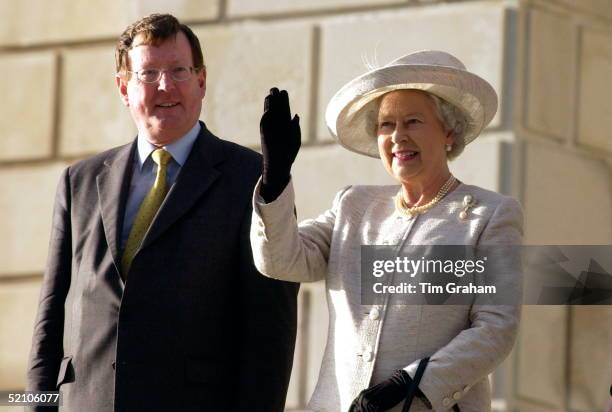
[[349, 113]]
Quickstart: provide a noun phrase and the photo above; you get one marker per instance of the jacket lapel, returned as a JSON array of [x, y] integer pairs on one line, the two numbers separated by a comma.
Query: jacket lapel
[[113, 185], [196, 176]]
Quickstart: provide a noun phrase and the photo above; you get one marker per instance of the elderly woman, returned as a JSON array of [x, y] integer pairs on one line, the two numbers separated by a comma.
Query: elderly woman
[[415, 113]]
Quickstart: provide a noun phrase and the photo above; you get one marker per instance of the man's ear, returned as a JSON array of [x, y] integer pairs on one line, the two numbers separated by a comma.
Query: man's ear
[[202, 81], [121, 83]]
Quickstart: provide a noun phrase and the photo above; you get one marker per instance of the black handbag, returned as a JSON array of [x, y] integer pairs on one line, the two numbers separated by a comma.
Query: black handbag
[[415, 384]]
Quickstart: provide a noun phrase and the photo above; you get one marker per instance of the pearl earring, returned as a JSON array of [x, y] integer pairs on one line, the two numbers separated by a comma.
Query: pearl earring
[[449, 147]]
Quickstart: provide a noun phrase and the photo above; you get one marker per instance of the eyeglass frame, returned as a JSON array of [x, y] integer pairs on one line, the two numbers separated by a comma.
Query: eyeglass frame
[[192, 71]]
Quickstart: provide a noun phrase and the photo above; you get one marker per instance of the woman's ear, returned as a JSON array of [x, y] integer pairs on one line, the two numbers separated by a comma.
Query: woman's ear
[[450, 137]]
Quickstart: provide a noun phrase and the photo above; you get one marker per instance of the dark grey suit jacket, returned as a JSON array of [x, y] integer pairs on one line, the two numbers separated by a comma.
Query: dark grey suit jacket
[[195, 327]]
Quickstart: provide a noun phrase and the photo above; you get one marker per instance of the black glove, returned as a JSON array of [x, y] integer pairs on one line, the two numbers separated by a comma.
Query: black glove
[[385, 395], [280, 142]]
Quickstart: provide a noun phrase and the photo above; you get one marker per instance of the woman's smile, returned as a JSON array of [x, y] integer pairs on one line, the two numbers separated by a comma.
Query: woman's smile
[[402, 156]]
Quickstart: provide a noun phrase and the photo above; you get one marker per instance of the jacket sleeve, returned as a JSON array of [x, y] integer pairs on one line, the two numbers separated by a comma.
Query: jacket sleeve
[[47, 341], [269, 325], [476, 351], [282, 249]]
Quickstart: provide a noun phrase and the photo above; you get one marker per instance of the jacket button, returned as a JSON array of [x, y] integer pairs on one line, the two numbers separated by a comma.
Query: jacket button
[[446, 402], [466, 389], [374, 314], [457, 396], [368, 356]]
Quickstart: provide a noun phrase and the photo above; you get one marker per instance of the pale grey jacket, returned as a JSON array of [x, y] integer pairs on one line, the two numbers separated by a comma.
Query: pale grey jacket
[[367, 343]]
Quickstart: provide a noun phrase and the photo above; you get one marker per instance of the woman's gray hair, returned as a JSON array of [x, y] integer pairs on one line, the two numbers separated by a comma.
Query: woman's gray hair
[[453, 120], [451, 117]]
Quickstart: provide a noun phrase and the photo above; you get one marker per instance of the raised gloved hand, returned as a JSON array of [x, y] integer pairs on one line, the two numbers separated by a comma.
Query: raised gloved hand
[[280, 143], [385, 395]]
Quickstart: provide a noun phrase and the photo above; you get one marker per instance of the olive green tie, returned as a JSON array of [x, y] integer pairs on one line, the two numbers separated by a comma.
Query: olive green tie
[[147, 210]]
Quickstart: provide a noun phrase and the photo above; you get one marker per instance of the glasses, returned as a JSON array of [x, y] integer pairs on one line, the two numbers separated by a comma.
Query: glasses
[[178, 74]]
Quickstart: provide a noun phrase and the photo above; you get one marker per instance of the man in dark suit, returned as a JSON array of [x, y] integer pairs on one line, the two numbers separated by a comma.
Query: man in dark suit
[[150, 300]]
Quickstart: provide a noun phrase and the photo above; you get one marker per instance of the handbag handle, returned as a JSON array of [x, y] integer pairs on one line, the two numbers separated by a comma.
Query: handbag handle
[[415, 384]]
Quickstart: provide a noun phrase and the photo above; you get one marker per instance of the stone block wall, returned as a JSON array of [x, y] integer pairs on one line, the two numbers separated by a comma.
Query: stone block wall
[[61, 105], [562, 120]]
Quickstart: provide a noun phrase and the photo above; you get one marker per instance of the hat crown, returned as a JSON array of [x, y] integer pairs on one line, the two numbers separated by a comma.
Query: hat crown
[[429, 58]]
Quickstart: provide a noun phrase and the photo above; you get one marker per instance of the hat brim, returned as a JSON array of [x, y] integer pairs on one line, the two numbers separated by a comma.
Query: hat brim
[[348, 112]]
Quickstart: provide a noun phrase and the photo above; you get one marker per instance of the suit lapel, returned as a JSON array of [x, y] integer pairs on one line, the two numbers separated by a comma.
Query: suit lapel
[[195, 178], [113, 184]]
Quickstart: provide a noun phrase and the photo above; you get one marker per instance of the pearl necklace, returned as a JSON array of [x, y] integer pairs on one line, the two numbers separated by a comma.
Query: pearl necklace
[[401, 206]]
